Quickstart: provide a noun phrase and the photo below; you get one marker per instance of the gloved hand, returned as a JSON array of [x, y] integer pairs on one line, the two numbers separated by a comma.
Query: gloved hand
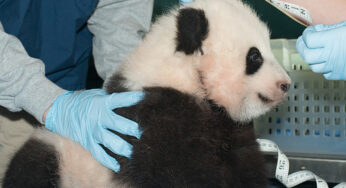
[[85, 117], [323, 47], [185, 2]]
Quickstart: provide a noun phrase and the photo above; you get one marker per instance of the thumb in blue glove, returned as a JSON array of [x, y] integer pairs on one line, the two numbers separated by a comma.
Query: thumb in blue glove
[[185, 2], [85, 117], [323, 47]]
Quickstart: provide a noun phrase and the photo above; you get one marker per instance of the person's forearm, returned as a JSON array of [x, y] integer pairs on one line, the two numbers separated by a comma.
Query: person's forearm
[[118, 27], [323, 11], [23, 85], [37, 96]]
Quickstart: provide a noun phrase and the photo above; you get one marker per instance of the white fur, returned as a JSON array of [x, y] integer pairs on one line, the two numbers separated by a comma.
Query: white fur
[[77, 168], [233, 29]]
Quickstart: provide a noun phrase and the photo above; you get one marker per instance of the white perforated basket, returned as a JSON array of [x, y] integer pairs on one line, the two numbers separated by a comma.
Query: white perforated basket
[[311, 121], [312, 118]]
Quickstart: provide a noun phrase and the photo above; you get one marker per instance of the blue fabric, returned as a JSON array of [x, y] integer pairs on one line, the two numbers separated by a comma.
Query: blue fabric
[[54, 31]]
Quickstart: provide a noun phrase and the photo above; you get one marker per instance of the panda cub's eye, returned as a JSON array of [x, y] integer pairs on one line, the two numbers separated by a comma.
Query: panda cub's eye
[[254, 60]]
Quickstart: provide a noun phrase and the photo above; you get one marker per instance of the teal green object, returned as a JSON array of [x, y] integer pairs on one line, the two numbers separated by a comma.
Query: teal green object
[[280, 25], [323, 47], [163, 6], [86, 117]]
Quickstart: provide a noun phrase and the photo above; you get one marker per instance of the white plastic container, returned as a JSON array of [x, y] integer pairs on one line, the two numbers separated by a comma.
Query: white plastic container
[[310, 125]]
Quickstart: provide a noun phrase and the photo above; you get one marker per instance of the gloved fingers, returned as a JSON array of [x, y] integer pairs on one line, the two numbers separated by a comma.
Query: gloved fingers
[[101, 156], [314, 56], [318, 27], [92, 92], [322, 27], [93, 95], [313, 38], [328, 76], [311, 56], [320, 68], [121, 124], [118, 100], [335, 75], [300, 45], [116, 144]]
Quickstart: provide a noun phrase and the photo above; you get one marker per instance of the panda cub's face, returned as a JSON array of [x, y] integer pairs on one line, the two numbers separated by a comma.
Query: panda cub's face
[[247, 85], [214, 49], [236, 66]]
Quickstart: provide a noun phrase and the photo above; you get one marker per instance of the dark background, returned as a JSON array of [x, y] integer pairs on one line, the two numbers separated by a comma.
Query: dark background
[[280, 25]]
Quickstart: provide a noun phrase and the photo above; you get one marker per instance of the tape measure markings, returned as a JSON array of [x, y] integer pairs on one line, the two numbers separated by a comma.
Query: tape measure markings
[[299, 13], [282, 168]]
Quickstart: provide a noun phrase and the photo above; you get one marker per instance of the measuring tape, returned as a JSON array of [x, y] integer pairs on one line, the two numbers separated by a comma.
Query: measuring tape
[[282, 168], [297, 13]]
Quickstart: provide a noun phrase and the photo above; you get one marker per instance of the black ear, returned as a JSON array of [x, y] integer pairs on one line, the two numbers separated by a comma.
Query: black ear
[[192, 30]]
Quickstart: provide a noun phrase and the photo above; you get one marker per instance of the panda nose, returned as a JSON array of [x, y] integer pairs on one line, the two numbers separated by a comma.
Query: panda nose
[[284, 86]]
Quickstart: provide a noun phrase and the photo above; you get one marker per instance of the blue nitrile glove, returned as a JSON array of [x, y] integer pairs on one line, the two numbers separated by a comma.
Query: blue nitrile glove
[[85, 117], [185, 2], [323, 47]]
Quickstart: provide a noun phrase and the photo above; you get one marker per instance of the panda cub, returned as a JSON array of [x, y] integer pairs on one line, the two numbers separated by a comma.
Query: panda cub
[[207, 71]]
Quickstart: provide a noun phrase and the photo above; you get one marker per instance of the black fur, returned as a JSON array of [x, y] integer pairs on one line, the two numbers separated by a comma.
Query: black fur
[[35, 165], [254, 61], [192, 30], [189, 143], [114, 84], [186, 142]]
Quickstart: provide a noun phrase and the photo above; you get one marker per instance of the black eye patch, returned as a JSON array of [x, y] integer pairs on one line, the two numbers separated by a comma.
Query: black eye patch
[[254, 60]]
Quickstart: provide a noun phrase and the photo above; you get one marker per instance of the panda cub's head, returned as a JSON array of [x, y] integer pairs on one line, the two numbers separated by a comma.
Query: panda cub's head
[[213, 49]]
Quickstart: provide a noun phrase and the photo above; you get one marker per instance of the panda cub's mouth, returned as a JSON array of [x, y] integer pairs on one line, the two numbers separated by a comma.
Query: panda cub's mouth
[[264, 99]]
